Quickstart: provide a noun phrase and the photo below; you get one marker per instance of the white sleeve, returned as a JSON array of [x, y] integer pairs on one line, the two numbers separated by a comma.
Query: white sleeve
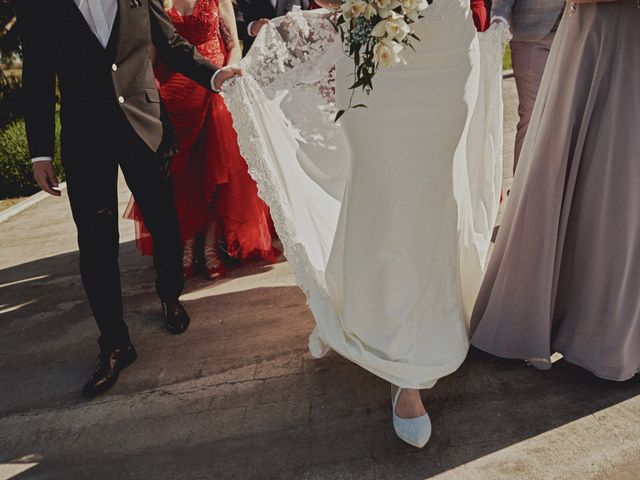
[[41, 159]]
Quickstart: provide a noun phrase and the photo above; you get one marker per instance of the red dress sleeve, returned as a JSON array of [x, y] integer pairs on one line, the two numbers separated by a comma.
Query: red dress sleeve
[[480, 14]]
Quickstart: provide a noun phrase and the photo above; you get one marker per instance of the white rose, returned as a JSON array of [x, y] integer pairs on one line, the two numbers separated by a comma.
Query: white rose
[[412, 14], [345, 9], [383, 54], [380, 29], [398, 29], [387, 52], [385, 7], [354, 9], [393, 27], [412, 8], [405, 30], [370, 11], [409, 5]]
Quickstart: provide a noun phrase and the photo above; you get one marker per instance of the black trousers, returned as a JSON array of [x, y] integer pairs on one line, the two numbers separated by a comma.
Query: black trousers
[[91, 165]]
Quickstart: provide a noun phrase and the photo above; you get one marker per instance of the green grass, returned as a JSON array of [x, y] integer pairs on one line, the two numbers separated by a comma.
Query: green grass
[[9, 202], [506, 61]]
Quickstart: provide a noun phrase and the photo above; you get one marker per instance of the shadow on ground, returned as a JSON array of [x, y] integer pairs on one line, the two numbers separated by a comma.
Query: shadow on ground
[[238, 396]]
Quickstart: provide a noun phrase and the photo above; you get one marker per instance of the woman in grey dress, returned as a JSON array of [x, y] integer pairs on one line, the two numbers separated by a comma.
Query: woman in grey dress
[[565, 273]]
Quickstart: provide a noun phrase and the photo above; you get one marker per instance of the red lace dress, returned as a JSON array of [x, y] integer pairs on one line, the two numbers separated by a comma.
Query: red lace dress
[[210, 177]]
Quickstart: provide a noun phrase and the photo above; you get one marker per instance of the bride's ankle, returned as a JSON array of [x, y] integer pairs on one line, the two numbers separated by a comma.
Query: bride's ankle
[[409, 404]]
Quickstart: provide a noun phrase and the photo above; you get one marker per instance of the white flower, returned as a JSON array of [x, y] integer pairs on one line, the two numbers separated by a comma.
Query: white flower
[[412, 8], [410, 5], [387, 52], [412, 15], [380, 29], [370, 11], [393, 27], [356, 8], [400, 29], [385, 7]]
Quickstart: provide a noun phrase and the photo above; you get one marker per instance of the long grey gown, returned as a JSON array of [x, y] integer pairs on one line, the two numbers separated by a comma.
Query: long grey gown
[[565, 273]]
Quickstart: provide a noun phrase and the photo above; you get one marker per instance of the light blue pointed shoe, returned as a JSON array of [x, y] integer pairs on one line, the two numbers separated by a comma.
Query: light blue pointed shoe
[[414, 431]]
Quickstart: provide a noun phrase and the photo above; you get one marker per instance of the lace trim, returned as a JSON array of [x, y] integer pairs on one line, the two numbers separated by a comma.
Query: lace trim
[[254, 152], [281, 54], [295, 52]]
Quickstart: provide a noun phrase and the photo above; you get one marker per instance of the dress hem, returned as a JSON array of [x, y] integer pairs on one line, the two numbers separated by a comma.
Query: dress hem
[[538, 362]]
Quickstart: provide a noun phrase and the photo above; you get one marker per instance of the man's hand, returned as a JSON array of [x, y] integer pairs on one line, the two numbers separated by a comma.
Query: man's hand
[[256, 26], [46, 177], [225, 74]]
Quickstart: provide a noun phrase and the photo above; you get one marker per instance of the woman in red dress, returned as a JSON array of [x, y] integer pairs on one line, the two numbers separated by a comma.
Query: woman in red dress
[[480, 14], [214, 194]]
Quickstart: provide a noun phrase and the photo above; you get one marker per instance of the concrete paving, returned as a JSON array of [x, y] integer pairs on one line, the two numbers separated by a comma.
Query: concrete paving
[[239, 397]]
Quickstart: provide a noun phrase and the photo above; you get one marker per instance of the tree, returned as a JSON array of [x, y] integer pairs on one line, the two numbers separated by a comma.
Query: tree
[[9, 43]]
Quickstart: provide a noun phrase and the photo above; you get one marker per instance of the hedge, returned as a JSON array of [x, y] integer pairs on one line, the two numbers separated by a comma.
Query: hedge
[[10, 100], [16, 175]]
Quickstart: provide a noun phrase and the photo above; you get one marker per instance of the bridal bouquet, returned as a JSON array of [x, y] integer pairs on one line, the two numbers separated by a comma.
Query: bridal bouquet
[[374, 33]]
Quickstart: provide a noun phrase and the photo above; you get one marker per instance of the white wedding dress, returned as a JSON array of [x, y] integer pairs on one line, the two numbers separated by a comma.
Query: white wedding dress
[[386, 217]]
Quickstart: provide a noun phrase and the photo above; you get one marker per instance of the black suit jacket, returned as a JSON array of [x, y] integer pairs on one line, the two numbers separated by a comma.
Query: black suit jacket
[[57, 42], [248, 11]]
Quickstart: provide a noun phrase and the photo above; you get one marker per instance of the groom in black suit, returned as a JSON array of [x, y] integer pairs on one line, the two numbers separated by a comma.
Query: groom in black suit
[[100, 52]]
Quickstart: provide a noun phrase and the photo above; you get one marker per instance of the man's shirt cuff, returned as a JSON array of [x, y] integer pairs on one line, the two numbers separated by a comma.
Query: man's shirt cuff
[[213, 82], [41, 159]]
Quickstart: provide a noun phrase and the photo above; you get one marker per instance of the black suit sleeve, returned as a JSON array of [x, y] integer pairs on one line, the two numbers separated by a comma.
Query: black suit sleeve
[[242, 21], [38, 78], [175, 50]]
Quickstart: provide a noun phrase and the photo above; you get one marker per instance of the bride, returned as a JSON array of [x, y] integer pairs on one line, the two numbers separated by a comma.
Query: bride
[[386, 216]]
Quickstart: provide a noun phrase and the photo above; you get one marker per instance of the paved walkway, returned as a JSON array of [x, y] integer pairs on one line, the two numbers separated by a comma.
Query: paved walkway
[[238, 396]]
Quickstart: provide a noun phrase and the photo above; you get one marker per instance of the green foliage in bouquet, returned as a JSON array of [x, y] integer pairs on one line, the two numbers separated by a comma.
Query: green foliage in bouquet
[[374, 34]]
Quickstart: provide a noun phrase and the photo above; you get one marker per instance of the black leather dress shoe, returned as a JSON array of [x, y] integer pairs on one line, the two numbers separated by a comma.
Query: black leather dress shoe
[[109, 366], [175, 316]]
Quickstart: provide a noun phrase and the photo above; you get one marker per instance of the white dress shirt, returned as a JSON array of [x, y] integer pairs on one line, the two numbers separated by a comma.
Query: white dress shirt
[[100, 15]]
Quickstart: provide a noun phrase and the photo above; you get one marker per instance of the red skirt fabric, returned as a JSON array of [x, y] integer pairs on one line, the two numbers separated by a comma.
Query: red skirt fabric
[[210, 178], [480, 14]]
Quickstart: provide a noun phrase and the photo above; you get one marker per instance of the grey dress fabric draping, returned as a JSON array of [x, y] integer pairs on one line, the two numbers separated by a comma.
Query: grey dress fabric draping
[[565, 273]]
